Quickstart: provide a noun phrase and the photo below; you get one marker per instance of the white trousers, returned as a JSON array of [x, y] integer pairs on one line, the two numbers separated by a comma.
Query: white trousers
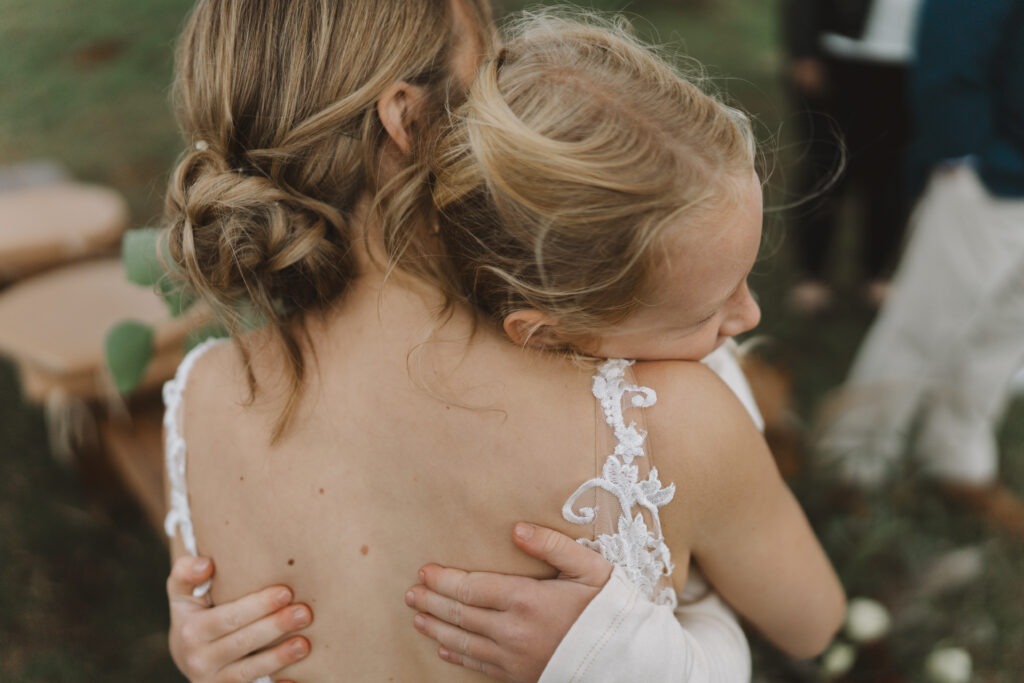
[[945, 344]]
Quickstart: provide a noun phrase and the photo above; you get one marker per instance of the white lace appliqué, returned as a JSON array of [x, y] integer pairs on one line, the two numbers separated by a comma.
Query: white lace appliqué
[[639, 550]]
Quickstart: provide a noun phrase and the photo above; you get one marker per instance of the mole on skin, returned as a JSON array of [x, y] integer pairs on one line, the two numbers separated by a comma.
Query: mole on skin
[[364, 550]]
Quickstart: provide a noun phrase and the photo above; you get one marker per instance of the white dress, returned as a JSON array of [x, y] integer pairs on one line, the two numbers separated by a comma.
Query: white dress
[[637, 628]]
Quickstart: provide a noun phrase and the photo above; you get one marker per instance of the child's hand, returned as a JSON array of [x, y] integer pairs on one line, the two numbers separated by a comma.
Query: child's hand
[[224, 644], [508, 626]]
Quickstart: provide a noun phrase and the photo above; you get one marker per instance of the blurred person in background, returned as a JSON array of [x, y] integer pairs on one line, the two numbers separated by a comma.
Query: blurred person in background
[[846, 75], [951, 335]]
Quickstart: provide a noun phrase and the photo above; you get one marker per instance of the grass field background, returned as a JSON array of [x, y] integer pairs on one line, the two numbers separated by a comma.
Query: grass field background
[[81, 577]]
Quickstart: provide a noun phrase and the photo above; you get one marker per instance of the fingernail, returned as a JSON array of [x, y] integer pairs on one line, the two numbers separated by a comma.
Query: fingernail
[[298, 648], [444, 653], [410, 598], [283, 597], [300, 616], [200, 566], [423, 576], [523, 531], [420, 622]]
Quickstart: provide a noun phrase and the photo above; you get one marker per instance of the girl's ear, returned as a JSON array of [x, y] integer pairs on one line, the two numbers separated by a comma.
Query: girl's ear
[[398, 107], [530, 327]]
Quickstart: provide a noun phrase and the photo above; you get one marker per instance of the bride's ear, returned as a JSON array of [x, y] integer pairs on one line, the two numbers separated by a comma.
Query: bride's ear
[[398, 107], [530, 327]]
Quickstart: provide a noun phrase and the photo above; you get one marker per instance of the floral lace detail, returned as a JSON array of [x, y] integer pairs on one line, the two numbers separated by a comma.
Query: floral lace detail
[[639, 550]]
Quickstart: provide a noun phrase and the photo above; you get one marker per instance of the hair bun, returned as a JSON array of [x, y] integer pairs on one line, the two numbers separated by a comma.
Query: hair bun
[[243, 239]]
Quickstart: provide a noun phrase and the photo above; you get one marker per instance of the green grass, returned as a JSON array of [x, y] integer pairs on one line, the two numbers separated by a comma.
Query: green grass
[[81, 581], [86, 84]]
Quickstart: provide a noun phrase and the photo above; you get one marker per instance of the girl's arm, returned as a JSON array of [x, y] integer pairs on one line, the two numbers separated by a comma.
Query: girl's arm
[[233, 642], [524, 630], [741, 521]]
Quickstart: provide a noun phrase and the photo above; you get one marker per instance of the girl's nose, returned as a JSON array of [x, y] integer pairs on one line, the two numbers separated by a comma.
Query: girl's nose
[[744, 315]]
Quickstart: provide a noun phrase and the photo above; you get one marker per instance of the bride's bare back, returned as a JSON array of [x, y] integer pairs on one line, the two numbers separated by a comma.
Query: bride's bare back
[[401, 452]]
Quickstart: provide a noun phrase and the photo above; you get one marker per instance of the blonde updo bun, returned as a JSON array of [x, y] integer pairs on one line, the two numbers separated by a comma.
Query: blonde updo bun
[[557, 176], [277, 101], [244, 241]]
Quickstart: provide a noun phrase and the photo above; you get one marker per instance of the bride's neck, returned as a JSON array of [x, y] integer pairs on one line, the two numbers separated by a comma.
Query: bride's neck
[[377, 274]]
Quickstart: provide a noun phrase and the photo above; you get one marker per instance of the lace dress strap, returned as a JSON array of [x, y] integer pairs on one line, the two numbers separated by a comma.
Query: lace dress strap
[[179, 516], [636, 547]]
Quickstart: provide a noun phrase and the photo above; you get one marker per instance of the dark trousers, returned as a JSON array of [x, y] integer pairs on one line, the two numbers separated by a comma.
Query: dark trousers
[[864, 111]]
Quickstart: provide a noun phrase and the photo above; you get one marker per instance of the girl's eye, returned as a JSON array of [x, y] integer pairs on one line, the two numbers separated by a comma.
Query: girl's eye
[[708, 319]]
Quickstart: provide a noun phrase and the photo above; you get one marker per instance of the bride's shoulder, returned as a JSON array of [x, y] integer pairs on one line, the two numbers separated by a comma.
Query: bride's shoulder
[[685, 385], [207, 358], [210, 373], [695, 407]]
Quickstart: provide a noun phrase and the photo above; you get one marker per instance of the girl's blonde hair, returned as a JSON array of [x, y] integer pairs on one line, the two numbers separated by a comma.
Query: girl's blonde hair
[[557, 177], [276, 100]]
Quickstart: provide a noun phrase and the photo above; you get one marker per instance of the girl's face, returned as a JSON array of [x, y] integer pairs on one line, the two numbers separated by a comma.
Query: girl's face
[[701, 297]]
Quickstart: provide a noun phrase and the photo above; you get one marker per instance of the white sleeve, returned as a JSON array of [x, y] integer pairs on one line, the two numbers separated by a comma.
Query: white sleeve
[[622, 637]]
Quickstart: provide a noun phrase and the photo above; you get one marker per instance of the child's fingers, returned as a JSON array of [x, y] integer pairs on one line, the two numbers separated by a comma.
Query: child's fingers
[[576, 562], [479, 589], [259, 634], [474, 619], [457, 640], [266, 662], [229, 617], [186, 573], [487, 669]]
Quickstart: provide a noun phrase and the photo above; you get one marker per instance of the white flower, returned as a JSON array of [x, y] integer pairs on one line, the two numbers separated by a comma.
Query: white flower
[[838, 659], [867, 620], [948, 665]]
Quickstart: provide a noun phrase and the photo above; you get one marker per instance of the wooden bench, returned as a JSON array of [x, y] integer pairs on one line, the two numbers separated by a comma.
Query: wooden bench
[[53, 326], [49, 225], [135, 450]]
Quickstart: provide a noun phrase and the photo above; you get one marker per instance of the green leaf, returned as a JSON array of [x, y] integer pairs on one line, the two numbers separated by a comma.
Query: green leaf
[[129, 349], [177, 299], [140, 256]]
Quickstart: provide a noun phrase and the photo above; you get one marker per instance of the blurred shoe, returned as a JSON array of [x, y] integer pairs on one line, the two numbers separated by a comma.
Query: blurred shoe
[[810, 297], [876, 292], [995, 504]]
